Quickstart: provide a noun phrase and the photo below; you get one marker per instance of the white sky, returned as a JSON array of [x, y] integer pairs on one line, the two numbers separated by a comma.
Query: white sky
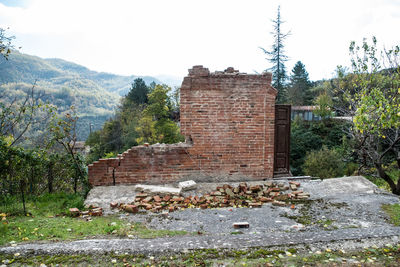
[[169, 36]]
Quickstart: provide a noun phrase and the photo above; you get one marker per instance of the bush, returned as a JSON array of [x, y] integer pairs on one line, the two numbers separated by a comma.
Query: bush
[[312, 135], [325, 163], [351, 169]]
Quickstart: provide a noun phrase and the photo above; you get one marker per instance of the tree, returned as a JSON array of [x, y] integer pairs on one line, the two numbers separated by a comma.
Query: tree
[[323, 106], [64, 133], [5, 43], [298, 90], [156, 124], [138, 92], [373, 98], [278, 58]]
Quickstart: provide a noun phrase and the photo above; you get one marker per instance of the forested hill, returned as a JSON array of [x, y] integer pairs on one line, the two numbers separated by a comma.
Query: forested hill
[[93, 94], [27, 68]]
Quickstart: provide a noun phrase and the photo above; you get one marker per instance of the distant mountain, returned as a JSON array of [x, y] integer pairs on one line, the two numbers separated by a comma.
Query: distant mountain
[[94, 94], [111, 82]]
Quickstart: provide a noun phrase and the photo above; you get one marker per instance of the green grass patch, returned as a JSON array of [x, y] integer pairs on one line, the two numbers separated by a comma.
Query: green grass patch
[[394, 213], [45, 205], [23, 228], [48, 220]]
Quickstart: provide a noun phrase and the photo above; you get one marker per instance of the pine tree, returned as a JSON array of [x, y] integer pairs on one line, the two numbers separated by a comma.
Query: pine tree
[[138, 92], [299, 86], [277, 57]]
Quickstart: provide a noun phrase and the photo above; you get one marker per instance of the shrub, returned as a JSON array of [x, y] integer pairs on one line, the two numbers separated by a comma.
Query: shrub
[[325, 163], [351, 169]]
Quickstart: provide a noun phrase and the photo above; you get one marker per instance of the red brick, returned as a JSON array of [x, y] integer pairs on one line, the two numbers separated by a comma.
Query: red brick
[[230, 118]]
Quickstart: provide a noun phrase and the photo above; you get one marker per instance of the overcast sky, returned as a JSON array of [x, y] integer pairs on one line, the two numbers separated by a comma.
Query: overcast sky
[[169, 36]]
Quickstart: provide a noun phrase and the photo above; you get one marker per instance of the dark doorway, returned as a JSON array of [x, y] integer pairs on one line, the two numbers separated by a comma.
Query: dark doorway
[[282, 141]]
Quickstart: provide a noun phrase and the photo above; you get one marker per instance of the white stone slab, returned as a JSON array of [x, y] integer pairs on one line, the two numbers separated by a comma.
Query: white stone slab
[[187, 185], [157, 190]]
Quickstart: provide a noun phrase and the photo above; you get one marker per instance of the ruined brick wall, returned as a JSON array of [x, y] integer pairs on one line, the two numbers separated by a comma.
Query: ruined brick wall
[[228, 120]]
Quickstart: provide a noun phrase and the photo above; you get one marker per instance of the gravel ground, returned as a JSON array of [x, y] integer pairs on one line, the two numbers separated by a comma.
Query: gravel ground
[[342, 212]]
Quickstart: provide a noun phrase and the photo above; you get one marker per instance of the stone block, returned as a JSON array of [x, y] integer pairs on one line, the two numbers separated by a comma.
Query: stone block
[[187, 185], [158, 190]]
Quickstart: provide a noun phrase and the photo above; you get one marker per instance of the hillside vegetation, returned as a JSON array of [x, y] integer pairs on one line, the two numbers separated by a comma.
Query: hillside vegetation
[[94, 95]]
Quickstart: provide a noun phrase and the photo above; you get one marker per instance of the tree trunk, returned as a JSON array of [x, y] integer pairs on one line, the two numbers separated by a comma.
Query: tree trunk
[[398, 181], [50, 176], [76, 180], [22, 188], [31, 181], [386, 177]]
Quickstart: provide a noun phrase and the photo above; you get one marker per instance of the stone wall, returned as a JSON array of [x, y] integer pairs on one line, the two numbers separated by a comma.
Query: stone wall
[[228, 121]]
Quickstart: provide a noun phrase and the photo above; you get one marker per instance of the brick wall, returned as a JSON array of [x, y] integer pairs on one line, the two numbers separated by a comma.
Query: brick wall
[[228, 120]]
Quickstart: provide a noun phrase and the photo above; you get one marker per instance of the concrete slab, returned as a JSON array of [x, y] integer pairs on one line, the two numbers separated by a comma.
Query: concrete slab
[[339, 186], [341, 212], [101, 196]]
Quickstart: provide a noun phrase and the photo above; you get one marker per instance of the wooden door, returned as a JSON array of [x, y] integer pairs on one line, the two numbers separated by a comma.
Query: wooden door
[[282, 140]]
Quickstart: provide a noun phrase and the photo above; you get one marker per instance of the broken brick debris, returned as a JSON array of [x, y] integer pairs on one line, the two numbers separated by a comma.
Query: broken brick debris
[[92, 211], [113, 205], [241, 225], [75, 212], [243, 195]]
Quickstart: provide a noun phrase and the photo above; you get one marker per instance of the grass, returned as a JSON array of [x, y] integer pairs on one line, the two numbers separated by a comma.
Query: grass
[[373, 256], [48, 220], [394, 213]]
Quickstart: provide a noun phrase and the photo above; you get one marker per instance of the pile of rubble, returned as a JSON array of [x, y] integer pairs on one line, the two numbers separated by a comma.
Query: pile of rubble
[[92, 211], [279, 194]]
